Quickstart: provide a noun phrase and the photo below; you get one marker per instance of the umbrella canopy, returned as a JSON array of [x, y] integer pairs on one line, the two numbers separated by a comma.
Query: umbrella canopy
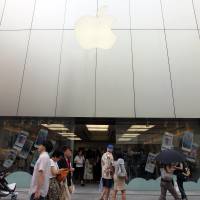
[[170, 156]]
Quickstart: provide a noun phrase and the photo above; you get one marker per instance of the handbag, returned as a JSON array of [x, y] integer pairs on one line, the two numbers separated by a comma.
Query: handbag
[[62, 176]]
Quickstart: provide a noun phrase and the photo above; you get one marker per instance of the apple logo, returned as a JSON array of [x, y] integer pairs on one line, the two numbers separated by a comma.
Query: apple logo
[[95, 31]]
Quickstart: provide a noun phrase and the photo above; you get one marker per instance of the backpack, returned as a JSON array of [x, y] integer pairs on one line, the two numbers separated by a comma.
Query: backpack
[[121, 172]]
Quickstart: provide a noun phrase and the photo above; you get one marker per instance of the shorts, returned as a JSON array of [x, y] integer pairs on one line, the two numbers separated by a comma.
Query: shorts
[[108, 183]]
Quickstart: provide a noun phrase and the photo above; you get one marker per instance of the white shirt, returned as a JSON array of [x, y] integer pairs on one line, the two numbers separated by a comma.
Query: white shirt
[[55, 165], [43, 164], [166, 175], [79, 160]]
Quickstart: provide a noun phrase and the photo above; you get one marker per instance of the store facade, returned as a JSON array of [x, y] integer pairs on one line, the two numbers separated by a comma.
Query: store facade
[[139, 140]]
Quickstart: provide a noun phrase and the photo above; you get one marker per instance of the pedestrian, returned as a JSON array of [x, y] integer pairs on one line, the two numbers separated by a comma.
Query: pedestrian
[[167, 182], [107, 163], [88, 175], [80, 162], [54, 186], [182, 173], [120, 177], [65, 163], [40, 179]]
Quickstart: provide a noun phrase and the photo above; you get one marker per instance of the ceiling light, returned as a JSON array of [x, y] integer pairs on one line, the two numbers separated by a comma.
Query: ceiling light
[[74, 138], [140, 128], [97, 127], [129, 135], [124, 139], [67, 134], [58, 129], [53, 125]]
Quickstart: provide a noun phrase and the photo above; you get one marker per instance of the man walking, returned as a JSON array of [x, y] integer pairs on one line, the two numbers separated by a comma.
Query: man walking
[[40, 179], [107, 163], [65, 163]]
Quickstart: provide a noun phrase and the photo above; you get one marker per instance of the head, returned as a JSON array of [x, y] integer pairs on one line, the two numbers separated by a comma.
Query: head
[[67, 152], [56, 156], [110, 148], [119, 155], [46, 146], [80, 152]]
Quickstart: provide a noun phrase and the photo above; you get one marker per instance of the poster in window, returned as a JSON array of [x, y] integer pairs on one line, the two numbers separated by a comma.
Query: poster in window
[[192, 155], [42, 136], [187, 141], [26, 149], [151, 163], [35, 158], [11, 157], [167, 141], [54, 147], [21, 140]]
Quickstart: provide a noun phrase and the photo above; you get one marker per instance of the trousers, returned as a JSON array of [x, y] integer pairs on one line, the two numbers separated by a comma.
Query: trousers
[[168, 186], [181, 188]]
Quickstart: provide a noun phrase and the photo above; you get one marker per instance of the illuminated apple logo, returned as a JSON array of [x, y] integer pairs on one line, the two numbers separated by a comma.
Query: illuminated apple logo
[[95, 31]]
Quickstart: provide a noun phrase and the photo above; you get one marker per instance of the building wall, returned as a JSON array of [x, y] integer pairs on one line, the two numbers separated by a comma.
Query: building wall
[[153, 70]]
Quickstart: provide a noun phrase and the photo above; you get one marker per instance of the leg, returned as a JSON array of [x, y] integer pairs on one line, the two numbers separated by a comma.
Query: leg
[[163, 191], [107, 193], [181, 189], [82, 175], [103, 194], [123, 194], [114, 197], [173, 191], [32, 197]]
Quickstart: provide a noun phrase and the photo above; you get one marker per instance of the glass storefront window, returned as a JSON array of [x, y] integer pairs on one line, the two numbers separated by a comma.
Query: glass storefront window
[[138, 140]]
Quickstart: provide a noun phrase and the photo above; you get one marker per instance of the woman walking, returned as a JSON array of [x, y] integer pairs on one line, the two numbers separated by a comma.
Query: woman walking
[[120, 177], [54, 187], [80, 162], [167, 182], [182, 173]]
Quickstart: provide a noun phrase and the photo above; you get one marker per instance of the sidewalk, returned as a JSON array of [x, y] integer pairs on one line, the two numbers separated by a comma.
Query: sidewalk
[[91, 193]]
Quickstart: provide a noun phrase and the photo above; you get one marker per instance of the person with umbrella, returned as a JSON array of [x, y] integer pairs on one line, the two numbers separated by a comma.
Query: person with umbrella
[[168, 159], [182, 173], [167, 184]]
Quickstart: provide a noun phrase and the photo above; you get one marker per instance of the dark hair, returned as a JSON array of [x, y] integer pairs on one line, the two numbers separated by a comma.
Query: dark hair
[[80, 149], [57, 154], [65, 148], [119, 155], [48, 146]]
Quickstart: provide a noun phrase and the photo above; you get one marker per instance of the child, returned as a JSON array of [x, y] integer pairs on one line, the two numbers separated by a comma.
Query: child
[[167, 182]]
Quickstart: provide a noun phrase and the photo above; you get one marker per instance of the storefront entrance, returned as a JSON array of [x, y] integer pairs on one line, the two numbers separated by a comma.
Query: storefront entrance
[[138, 140]]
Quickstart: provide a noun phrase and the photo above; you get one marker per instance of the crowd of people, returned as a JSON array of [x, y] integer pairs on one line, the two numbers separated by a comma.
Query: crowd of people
[[53, 177]]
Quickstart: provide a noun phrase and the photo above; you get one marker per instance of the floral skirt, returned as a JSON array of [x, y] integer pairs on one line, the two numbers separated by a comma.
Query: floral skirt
[[54, 190]]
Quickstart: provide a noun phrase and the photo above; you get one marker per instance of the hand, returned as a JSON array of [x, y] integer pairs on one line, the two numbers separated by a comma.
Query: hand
[[72, 170], [63, 169], [37, 194]]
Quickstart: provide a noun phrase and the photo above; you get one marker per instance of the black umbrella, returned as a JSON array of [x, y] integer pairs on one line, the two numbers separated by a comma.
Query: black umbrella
[[170, 156]]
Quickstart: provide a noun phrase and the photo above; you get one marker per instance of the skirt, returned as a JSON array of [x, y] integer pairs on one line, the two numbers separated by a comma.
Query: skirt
[[54, 190], [119, 183]]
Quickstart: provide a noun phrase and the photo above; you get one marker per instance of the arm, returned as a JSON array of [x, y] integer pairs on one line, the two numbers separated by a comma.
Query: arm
[[54, 171], [179, 168], [39, 184]]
